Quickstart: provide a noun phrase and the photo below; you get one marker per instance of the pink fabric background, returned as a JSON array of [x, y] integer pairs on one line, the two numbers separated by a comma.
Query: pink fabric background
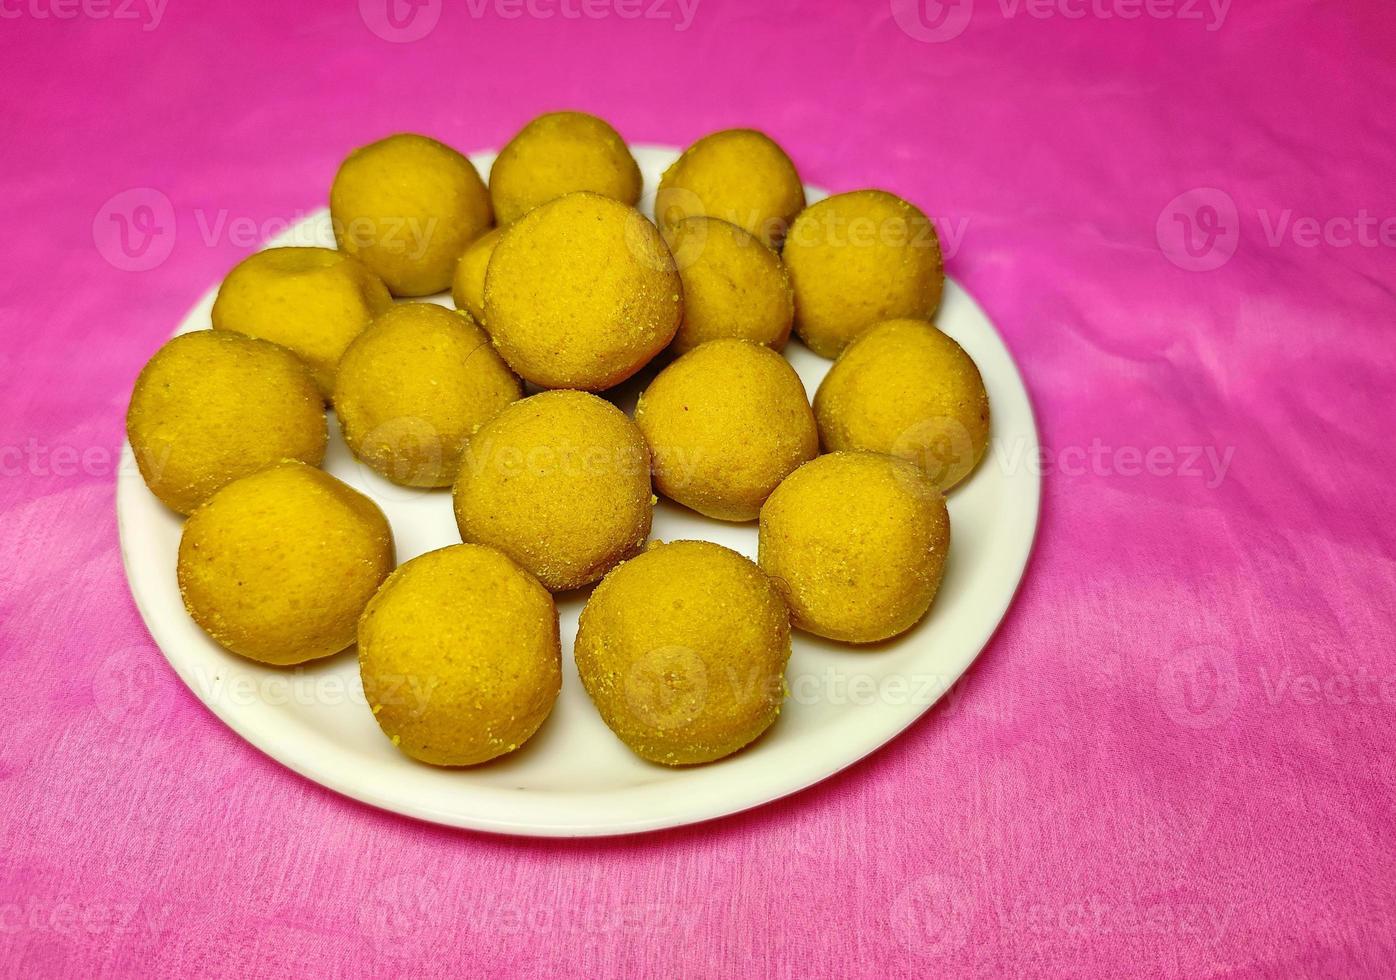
[[1175, 758]]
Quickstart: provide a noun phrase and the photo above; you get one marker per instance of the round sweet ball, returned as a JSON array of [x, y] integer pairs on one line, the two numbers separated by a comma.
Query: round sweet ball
[[559, 153], [408, 206], [683, 651], [460, 656], [857, 259], [738, 175], [413, 389], [559, 482], [313, 301], [856, 542], [726, 423], [906, 389], [468, 286], [279, 565], [733, 285], [212, 407], [581, 293]]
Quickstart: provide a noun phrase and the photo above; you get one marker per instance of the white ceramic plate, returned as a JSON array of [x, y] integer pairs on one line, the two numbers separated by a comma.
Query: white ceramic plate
[[574, 778]]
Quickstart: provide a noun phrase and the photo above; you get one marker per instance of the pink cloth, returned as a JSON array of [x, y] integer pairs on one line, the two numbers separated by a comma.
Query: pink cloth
[[1174, 759]]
